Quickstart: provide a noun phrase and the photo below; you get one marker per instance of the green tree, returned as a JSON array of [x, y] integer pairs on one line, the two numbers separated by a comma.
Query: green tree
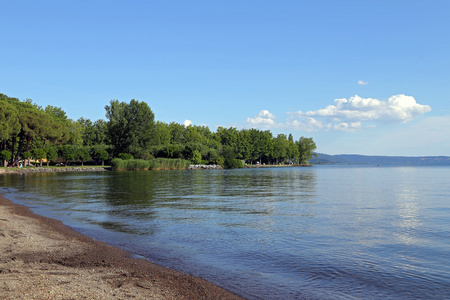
[[162, 134], [130, 127], [280, 148], [83, 154], [176, 133], [293, 152], [230, 160], [306, 147], [5, 155], [9, 122], [26, 157], [101, 154], [68, 153], [38, 154], [51, 154], [196, 157]]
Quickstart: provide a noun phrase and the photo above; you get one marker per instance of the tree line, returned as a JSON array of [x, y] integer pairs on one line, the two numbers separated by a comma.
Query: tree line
[[30, 131]]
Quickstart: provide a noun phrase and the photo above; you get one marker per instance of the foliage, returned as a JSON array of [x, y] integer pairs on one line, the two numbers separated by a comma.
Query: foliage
[[68, 152], [306, 148], [196, 157], [169, 164], [125, 156], [230, 160], [39, 154], [131, 126], [5, 155], [51, 154], [130, 131], [100, 154], [82, 154], [118, 164]]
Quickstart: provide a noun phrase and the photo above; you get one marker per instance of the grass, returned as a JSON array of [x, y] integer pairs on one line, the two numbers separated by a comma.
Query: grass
[[169, 164], [118, 164]]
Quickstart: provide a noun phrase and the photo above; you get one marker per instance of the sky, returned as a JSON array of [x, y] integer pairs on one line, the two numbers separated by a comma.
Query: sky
[[359, 77]]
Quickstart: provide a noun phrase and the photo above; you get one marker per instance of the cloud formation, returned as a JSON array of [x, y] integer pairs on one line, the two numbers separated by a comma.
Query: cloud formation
[[263, 119], [187, 123], [360, 82], [397, 108], [347, 114]]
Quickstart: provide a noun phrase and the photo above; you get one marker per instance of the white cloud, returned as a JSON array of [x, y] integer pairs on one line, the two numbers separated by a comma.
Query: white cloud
[[356, 109], [187, 123], [344, 126], [308, 124], [263, 119], [360, 82], [350, 114]]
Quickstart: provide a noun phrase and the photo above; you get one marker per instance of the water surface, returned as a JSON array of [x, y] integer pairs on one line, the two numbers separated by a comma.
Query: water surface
[[313, 233]]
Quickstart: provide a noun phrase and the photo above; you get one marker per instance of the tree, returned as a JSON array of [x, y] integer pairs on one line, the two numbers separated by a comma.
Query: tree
[[306, 147], [68, 153], [88, 131], [162, 134], [293, 151], [230, 160], [26, 156], [38, 154], [280, 148], [10, 125], [196, 157], [130, 127], [100, 133], [51, 154], [101, 154], [5, 155], [83, 154]]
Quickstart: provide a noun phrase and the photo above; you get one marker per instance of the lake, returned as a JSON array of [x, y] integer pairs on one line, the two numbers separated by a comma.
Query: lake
[[326, 232]]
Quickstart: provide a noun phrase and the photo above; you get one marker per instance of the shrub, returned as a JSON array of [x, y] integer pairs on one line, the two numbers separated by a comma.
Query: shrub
[[118, 164]]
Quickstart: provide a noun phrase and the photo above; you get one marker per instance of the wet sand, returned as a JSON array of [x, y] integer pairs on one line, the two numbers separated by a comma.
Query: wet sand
[[41, 258]]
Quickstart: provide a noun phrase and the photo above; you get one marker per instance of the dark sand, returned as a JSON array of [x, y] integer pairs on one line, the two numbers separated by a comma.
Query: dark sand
[[40, 258]]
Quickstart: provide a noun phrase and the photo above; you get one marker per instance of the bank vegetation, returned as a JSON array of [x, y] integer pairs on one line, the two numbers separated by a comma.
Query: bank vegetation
[[131, 139]]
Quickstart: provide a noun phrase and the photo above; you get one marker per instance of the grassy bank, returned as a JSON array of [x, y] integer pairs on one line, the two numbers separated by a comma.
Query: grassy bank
[[169, 164], [118, 164]]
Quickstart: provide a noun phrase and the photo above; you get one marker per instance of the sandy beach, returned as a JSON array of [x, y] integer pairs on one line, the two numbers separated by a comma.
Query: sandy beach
[[40, 258]]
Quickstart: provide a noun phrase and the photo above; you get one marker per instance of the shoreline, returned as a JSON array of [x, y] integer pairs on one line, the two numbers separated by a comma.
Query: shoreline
[[53, 169], [41, 258]]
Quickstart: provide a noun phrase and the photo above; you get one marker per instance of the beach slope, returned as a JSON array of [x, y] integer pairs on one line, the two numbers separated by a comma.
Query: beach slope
[[40, 258]]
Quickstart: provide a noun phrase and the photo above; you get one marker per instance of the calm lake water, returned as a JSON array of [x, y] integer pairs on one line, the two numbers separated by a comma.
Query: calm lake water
[[325, 232]]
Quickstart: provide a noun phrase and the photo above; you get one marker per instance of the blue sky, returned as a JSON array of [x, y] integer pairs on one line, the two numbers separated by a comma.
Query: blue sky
[[364, 77]]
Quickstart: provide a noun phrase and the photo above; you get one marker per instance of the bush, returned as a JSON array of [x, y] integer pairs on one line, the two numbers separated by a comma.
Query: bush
[[233, 164], [118, 164]]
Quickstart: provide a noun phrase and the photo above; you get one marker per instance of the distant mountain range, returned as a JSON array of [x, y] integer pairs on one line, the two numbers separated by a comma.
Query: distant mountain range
[[351, 159]]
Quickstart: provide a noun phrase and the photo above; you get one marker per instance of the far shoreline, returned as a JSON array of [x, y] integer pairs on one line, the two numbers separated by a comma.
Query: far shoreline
[[53, 169]]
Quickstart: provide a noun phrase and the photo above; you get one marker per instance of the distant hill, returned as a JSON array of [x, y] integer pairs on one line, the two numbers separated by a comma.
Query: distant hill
[[345, 159]]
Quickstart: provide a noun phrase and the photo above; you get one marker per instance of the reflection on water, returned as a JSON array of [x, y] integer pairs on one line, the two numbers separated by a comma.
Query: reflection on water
[[315, 233]]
